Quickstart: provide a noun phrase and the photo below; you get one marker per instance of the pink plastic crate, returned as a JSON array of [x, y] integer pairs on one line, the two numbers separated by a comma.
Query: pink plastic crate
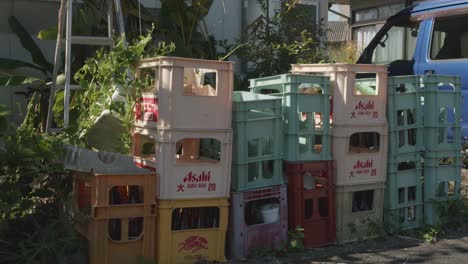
[[191, 93], [184, 169], [146, 110], [245, 239], [360, 162], [353, 103]]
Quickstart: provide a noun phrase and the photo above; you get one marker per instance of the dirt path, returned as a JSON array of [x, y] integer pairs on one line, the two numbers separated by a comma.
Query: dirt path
[[453, 249]]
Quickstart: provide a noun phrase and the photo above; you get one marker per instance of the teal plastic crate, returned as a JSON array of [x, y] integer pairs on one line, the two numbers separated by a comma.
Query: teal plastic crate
[[442, 178], [257, 140], [405, 141], [256, 174], [307, 147], [441, 92], [403, 193], [306, 113], [404, 114], [444, 137]]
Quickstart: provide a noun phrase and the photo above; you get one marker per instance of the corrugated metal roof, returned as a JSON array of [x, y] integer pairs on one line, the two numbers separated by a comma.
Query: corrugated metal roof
[[337, 31]]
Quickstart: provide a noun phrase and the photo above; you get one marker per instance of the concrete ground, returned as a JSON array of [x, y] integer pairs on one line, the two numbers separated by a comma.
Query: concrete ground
[[452, 249]]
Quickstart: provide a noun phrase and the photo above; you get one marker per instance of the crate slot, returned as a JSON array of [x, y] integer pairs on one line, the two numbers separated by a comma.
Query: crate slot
[[126, 194], [195, 218], [366, 86], [363, 201], [200, 82], [364, 142]]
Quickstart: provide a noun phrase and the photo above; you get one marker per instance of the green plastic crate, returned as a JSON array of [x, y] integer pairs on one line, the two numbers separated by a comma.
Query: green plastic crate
[[257, 141], [256, 174], [444, 137], [306, 113], [442, 178], [441, 92], [403, 194], [404, 114]]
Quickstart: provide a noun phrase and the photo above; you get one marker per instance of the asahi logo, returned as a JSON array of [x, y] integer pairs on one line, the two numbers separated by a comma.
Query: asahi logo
[[194, 177], [193, 244], [363, 164], [364, 106]]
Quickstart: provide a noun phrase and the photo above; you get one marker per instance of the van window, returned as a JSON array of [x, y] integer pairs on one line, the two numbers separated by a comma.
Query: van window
[[398, 43], [450, 38]]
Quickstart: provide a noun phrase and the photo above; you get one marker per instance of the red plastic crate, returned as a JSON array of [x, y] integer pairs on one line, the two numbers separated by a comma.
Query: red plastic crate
[[244, 239], [310, 183]]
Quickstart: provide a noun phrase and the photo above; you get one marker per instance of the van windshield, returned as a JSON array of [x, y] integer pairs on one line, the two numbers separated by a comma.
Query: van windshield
[[397, 43]]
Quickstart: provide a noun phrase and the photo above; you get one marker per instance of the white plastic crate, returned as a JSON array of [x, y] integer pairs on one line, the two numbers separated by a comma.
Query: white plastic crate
[[359, 212], [188, 171], [360, 162], [191, 93], [356, 101]]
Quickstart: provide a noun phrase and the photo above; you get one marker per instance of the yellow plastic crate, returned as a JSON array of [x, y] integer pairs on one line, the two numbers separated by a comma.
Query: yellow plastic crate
[[119, 216], [196, 236]]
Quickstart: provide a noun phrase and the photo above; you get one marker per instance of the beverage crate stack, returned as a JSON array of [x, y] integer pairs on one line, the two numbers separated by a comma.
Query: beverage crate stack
[[359, 144], [115, 202], [258, 212], [183, 132], [442, 143], [403, 195], [306, 152]]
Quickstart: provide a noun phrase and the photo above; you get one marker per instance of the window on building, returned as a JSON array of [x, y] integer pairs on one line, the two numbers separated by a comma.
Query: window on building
[[398, 43], [450, 38]]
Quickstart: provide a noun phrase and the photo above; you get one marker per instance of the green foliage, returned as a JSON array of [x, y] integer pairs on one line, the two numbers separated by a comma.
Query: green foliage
[[184, 25], [432, 234], [274, 43], [105, 76], [49, 240], [343, 53], [34, 190], [28, 43], [4, 112], [30, 173], [296, 239], [8, 76]]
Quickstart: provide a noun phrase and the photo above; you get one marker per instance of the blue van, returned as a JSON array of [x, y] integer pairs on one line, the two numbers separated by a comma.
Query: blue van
[[427, 38]]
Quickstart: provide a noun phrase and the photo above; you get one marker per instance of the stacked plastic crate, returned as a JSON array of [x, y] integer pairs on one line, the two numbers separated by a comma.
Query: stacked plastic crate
[[116, 202], [258, 216], [183, 131], [403, 195], [307, 155], [359, 144], [442, 142]]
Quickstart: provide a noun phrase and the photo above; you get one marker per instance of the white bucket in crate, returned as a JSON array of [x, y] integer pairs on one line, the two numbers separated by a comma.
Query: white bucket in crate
[[270, 213]]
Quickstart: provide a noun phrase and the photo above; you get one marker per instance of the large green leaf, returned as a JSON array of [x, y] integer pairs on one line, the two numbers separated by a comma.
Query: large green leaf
[[17, 80], [4, 112], [48, 33], [12, 64], [28, 43]]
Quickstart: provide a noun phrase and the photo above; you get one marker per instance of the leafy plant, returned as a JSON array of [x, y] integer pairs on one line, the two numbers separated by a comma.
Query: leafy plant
[[274, 43], [8, 76], [343, 53], [105, 78], [296, 239], [433, 234], [4, 112], [183, 23]]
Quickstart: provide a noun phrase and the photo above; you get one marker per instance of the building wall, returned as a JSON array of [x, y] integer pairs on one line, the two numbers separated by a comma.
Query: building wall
[[369, 16]]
